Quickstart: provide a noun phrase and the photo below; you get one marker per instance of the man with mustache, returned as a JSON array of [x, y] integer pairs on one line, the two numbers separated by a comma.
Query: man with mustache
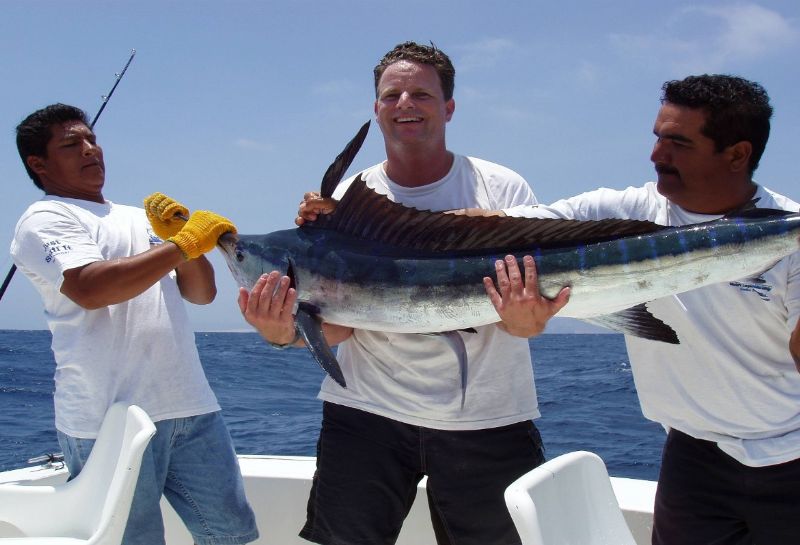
[[729, 393]]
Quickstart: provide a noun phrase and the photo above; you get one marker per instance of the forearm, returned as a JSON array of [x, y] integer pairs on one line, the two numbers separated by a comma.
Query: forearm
[[196, 281], [104, 283], [334, 334]]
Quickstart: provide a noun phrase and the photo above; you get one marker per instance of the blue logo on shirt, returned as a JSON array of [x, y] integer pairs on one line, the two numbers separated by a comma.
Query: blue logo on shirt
[[53, 248], [756, 285]]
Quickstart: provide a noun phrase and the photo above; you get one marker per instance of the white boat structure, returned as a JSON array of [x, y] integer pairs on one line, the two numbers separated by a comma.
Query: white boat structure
[[570, 499]]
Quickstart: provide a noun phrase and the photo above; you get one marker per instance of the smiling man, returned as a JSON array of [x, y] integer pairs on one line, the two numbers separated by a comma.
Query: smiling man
[[400, 417], [112, 291]]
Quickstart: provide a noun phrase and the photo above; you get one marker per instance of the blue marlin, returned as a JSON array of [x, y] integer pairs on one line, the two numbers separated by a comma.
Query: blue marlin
[[378, 265]]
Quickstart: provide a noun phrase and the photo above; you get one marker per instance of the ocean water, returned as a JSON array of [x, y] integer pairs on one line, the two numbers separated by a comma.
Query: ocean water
[[586, 396]]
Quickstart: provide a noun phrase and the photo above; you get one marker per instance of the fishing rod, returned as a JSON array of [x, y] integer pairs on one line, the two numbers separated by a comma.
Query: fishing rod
[[111, 92], [105, 98]]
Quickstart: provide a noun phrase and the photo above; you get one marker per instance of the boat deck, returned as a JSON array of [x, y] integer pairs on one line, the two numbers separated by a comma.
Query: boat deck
[[278, 487]]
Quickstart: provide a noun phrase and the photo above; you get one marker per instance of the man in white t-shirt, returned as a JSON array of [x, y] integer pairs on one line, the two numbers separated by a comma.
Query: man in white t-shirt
[[729, 393], [113, 294], [400, 417]]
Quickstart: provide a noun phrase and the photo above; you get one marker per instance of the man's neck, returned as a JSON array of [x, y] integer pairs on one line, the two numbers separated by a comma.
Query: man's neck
[[736, 200], [91, 198], [417, 168]]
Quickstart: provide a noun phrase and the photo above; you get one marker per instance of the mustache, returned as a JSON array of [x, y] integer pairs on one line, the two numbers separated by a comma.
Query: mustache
[[664, 169]]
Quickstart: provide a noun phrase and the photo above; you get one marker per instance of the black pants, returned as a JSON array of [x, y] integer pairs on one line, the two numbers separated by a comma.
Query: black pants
[[368, 468], [705, 497]]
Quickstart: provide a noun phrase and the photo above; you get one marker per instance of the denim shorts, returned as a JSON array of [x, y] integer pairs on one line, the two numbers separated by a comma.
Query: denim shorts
[[192, 462], [368, 468]]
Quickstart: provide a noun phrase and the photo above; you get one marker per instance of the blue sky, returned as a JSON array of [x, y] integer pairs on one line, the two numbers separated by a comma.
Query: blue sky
[[239, 106]]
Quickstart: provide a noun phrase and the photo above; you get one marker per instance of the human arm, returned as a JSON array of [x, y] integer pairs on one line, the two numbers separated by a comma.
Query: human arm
[[107, 282], [476, 212], [523, 310], [312, 206], [268, 308], [196, 281]]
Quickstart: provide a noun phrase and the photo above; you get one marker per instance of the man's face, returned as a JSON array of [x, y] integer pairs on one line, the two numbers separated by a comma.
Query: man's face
[[74, 166], [410, 107], [691, 173]]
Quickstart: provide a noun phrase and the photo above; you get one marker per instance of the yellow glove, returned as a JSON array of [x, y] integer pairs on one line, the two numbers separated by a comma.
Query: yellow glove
[[200, 234], [164, 213]]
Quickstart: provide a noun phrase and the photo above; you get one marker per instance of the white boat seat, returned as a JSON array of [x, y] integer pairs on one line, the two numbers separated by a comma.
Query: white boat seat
[[567, 501], [91, 509]]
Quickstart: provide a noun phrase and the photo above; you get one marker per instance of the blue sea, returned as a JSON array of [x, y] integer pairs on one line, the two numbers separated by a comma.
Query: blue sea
[[586, 396]]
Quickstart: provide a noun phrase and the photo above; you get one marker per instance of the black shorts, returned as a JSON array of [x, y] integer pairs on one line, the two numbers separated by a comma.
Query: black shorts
[[706, 497], [368, 468]]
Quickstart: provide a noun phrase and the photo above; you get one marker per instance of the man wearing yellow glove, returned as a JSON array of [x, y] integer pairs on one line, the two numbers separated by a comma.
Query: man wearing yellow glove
[[113, 294]]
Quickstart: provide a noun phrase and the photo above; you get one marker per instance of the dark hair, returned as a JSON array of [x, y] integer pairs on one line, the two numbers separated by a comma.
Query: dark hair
[[35, 132], [423, 54], [736, 109]]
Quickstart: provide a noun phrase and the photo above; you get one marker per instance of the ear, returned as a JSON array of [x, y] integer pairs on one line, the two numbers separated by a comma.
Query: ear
[[739, 155], [36, 164], [375, 109], [449, 108]]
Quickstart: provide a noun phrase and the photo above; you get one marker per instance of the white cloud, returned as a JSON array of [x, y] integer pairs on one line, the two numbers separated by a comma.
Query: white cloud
[[587, 74], [749, 30], [482, 54], [512, 114], [253, 145], [334, 88], [711, 38]]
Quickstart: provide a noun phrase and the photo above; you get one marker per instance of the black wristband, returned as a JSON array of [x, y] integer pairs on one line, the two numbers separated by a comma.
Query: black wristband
[[297, 336]]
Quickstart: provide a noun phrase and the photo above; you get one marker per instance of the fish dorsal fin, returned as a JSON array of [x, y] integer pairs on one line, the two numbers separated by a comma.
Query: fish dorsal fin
[[368, 215], [756, 213], [749, 211], [342, 162], [749, 205]]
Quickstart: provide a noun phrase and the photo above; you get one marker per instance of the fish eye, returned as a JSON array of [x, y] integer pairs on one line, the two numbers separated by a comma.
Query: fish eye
[[239, 256]]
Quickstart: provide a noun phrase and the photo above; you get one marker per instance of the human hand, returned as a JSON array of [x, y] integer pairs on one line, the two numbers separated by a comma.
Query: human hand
[[480, 212], [166, 215], [268, 308], [312, 206], [200, 234], [523, 310]]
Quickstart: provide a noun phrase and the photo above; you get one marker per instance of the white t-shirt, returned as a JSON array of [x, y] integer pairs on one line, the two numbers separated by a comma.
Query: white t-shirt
[[415, 379], [731, 379], [141, 351]]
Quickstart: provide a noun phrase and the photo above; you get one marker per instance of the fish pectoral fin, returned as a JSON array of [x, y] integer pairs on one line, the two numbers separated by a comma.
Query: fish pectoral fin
[[637, 321], [454, 340], [310, 327]]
